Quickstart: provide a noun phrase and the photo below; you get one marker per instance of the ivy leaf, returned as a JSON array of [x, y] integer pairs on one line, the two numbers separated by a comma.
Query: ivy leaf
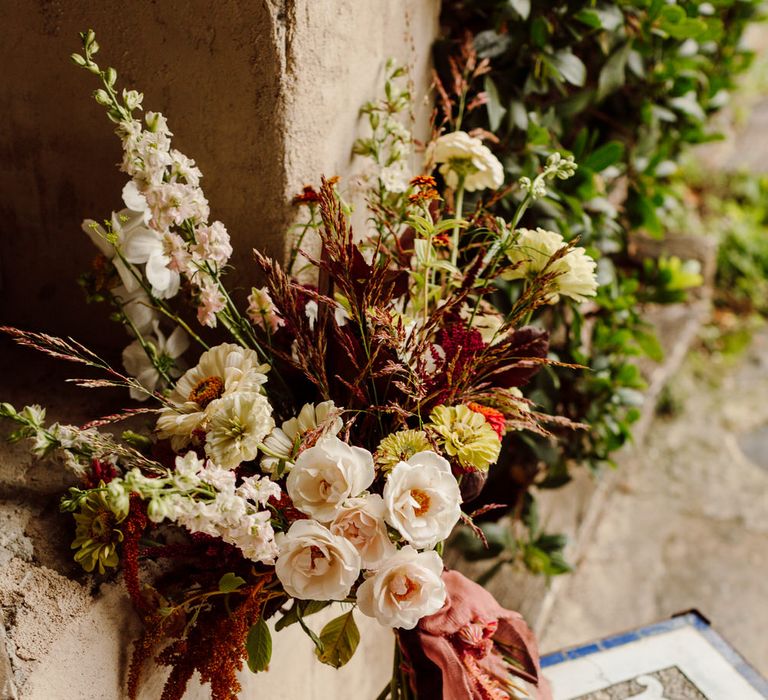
[[258, 644], [522, 7], [495, 109], [609, 18], [570, 67], [229, 582], [603, 157], [613, 72], [340, 638]]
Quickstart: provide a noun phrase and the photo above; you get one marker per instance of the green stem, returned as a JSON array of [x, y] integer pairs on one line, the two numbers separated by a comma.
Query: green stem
[[159, 304], [521, 209], [457, 226], [297, 246], [393, 682], [148, 351]]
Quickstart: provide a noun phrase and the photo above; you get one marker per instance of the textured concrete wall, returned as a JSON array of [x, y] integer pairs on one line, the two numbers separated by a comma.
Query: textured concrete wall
[[264, 95], [219, 76]]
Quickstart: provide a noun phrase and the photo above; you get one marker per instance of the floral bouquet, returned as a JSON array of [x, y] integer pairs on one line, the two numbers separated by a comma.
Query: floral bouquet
[[324, 452]]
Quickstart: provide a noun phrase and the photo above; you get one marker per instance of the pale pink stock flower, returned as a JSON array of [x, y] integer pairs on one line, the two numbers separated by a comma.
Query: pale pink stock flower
[[261, 310], [184, 167], [210, 302], [212, 243], [178, 253], [173, 203]]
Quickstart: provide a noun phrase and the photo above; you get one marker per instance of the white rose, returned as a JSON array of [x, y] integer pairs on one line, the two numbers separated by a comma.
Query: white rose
[[422, 499], [361, 521], [315, 564], [407, 587], [462, 154], [325, 475]]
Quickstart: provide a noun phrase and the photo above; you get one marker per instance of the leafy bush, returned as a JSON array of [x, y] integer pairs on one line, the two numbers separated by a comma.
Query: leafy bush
[[625, 87]]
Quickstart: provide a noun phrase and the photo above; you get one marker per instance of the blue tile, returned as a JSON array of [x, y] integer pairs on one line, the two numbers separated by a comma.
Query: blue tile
[[620, 639], [583, 651], [551, 659]]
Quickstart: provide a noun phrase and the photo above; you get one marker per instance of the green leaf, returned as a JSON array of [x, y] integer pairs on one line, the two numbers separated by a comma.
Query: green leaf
[[340, 638], [610, 18], [613, 73], [608, 154], [229, 582], [495, 110], [688, 105], [258, 644], [540, 31], [650, 345], [522, 7], [571, 67], [490, 44]]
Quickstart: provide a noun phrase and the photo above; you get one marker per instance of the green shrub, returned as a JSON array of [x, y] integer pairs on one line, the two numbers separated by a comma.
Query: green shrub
[[625, 87]]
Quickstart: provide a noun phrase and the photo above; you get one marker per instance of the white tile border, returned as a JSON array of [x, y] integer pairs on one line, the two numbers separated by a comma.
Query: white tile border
[[685, 648]]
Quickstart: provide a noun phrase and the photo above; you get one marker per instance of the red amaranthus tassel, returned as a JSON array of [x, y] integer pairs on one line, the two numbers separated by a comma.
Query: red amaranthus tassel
[[133, 528]]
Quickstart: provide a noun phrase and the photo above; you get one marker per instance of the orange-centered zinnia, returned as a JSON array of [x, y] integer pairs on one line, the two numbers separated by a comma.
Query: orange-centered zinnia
[[207, 390]]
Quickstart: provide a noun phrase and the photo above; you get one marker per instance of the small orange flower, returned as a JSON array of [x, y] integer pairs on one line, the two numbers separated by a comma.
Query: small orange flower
[[422, 181], [494, 418], [307, 196], [427, 189]]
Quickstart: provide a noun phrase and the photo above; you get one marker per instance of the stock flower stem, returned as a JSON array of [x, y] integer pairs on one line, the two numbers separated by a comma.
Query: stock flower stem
[[521, 209], [457, 227]]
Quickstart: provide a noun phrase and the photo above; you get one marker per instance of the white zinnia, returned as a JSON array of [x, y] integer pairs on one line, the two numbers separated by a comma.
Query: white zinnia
[[462, 154], [238, 424], [575, 271], [315, 564], [166, 350], [361, 521], [226, 369], [281, 442], [325, 475], [407, 587], [422, 499]]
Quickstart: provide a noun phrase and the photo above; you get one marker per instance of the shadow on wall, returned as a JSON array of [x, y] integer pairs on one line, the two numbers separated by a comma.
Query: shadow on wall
[[217, 75]]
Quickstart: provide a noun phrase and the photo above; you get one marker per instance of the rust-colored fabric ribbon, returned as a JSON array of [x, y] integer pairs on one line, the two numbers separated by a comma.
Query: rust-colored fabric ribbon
[[470, 647]]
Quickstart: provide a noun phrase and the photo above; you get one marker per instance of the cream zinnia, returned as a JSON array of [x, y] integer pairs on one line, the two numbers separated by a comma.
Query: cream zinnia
[[224, 370], [574, 271]]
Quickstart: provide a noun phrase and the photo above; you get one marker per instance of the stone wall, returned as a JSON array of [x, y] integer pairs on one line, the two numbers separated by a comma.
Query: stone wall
[[264, 95]]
